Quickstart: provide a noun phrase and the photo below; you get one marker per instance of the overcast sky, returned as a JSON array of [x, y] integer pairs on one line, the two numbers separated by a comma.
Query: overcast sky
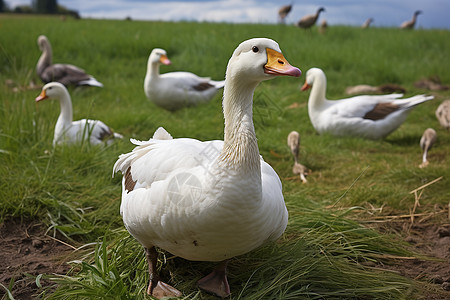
[[343, 12]]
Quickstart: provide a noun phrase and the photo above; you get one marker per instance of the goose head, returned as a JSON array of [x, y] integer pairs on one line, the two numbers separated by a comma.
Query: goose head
[[43, 42], [417, 12], [259, 59], [312, 75], [159, 56], [52, 90], [322, 9]]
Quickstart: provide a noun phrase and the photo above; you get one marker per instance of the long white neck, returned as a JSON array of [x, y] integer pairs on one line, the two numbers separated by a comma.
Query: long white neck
[[66, 115], [317, 98], [45, 59], [151, 75], [240, 151], [152, 69]]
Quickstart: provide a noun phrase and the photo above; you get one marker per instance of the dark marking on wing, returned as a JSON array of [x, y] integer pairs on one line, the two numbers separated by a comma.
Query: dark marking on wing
[[381, 111], [195, 243], [106, 134], [202, 86], [129, 182]]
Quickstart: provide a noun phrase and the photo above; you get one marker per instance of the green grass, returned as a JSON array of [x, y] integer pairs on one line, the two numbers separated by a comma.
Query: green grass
[[324, 250]]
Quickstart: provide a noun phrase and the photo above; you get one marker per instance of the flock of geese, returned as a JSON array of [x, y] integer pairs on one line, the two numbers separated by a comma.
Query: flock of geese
[[214, 200], [310, 20]]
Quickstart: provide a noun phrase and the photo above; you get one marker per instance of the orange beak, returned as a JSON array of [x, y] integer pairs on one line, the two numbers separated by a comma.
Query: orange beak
[[165, 60], [278, 65], [306, 86], [41, 97]]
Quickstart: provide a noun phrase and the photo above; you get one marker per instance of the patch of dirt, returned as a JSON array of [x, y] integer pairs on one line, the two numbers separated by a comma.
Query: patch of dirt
[[431, 241], [25, 249]]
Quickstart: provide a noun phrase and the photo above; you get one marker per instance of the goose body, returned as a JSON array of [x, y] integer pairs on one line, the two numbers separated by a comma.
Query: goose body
[[309, 20], [209, 201], [176, 90], [63, 73], [366, 116], [68, 131]]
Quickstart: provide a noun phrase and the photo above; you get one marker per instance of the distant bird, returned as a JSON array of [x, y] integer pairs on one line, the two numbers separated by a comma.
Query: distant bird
[[381, 89], [443, 114], [366, 116], [432, 83], [63, 73], [208, 200], [426, 142], [411, 23], [176, 90], [68, 131], [283, 12], [293, 141], [323, 26], [367, 23], [309, 20]]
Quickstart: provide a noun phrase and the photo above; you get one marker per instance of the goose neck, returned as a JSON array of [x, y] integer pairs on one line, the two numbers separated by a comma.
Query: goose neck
[[66, 114], [240, 144], [152, 69], [45, 59], [318, 90]]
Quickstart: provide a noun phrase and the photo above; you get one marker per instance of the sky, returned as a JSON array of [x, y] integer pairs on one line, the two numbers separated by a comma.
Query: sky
[[390, 13]]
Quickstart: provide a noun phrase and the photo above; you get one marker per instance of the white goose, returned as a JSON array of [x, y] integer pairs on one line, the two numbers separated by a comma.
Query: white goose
[[63, 73], [176, 90], [208, 201], [366, 116], [69, 131]]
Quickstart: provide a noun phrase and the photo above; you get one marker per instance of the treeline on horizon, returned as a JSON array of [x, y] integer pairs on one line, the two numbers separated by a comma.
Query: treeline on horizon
[[39, 7]]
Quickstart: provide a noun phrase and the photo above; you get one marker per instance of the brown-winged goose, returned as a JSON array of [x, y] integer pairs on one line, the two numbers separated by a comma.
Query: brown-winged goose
[[63, 73], [68, 131], [175, 90], [366, 116]]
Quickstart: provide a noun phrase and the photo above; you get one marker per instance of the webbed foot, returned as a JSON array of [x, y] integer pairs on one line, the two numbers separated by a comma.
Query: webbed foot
[[216, 282], [161, 290]]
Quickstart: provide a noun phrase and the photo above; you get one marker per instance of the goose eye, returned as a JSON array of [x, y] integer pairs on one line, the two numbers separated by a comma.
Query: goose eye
[[255, 49]]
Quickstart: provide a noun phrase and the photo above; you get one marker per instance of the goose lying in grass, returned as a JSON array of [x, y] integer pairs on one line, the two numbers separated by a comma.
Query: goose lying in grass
[[293, 141], [68, 131], [63, 73], [366, 116], [208, 201], [426, 142], [176, 90]]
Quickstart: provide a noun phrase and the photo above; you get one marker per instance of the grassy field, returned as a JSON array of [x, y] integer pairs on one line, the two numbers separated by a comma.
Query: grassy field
[[326, 248]]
